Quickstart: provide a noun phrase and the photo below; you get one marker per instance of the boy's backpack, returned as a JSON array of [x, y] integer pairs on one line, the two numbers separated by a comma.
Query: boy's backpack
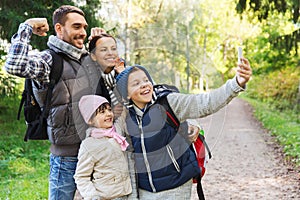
[[35, 117], [199, 146]]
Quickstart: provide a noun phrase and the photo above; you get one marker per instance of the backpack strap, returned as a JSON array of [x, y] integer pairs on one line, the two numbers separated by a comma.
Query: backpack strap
[[24, 95], [55, 75], [172, 120], [200, 189]]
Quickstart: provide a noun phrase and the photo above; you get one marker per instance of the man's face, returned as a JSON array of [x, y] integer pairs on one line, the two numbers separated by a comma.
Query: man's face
[[140, 89], [74, 30], [106, 53]]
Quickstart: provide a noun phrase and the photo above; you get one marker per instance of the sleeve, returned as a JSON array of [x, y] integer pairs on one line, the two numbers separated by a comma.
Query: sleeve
[[192, 106], [22, 63], [193, 122], [121, 128], [83, 173], [120, 123]]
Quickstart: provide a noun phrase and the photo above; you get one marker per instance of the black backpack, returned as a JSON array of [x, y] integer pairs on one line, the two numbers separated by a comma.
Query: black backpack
[[35, 117]]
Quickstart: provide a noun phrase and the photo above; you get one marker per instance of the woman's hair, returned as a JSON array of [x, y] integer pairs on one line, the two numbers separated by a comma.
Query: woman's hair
[[92, 44], [59, 15]]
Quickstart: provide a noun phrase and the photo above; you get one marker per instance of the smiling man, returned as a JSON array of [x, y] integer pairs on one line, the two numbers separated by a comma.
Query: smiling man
[[70, 28]]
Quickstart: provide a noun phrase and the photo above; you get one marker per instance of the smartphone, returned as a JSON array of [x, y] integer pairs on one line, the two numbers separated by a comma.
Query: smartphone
[[240, 54]]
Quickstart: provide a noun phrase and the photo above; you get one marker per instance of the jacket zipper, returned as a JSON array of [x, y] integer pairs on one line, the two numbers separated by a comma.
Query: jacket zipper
[[171, 154], [145, 156]]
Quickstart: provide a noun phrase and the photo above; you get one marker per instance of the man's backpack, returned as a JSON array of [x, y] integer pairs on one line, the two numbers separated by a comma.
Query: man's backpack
[[35, 116], [199, 146]]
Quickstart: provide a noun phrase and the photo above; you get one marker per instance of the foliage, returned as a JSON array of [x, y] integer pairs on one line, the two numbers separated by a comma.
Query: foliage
[[14, 12], [279, 88], [23, 166], [285, 125], [9, 85], [264, 12], [263, 9]]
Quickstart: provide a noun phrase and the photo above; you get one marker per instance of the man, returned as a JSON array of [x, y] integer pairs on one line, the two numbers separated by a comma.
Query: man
[[70, 28]]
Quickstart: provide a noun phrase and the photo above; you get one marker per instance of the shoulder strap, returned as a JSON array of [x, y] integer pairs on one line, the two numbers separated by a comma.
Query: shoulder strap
[[162, 100], [57, 66], [55, 74], [26, 94]]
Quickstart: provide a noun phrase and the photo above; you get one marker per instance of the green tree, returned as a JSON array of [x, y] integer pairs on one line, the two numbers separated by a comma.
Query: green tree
[[14, 12], [265, 10]]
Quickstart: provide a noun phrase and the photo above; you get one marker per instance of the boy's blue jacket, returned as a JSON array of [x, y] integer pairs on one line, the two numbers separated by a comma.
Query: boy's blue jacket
[[163, 157]]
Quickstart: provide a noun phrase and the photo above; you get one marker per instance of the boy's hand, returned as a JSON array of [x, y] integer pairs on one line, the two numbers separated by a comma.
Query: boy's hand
[[244, 72], [39, 26], [193, 133]]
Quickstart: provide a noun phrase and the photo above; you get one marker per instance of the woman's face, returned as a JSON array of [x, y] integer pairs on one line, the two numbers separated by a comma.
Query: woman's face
[[106, 53], [140, 88], [103, 118]]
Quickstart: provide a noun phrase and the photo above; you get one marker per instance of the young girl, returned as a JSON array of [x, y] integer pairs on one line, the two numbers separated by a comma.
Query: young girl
[[102, 169], [164, 161]]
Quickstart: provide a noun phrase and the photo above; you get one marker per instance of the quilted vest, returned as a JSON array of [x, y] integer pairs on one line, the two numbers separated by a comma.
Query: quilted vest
[[66, 128], [163, 158]]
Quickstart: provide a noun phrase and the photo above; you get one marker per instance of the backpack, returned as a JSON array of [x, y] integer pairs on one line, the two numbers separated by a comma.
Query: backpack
[[199, 146], [35, 117]]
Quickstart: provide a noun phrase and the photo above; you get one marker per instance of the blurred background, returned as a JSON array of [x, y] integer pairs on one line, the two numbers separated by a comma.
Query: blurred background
[[188, 43]]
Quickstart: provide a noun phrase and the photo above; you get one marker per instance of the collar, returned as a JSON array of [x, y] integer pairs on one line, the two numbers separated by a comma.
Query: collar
[[59, 45]]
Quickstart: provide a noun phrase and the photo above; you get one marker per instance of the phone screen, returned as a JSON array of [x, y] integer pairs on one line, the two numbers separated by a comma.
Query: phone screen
[[240, 54]]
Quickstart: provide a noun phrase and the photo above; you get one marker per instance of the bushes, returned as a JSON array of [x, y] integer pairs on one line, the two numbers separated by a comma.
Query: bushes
[[279, 88], [9, 85]]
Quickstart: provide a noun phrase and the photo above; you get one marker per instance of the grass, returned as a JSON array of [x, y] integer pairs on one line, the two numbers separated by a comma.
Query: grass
[[24, 166], [284, 125]]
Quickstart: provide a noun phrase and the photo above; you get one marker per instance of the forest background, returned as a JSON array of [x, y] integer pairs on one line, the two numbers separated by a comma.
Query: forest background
[[188, 43]]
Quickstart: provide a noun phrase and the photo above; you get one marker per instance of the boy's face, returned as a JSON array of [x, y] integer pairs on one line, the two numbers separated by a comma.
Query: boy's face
[[103, 118], [106, 53], [140, 88]]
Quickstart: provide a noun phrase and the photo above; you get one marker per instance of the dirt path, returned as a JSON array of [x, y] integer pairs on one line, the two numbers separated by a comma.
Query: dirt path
[[246, 163]]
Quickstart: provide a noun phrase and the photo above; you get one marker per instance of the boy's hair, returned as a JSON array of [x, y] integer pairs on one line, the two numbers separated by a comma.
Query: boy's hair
[[92, 44], [59, 15]]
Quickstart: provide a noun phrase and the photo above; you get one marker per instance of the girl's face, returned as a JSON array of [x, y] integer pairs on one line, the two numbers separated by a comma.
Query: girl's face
[[139, 88], [106, 53], [103, 117]]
